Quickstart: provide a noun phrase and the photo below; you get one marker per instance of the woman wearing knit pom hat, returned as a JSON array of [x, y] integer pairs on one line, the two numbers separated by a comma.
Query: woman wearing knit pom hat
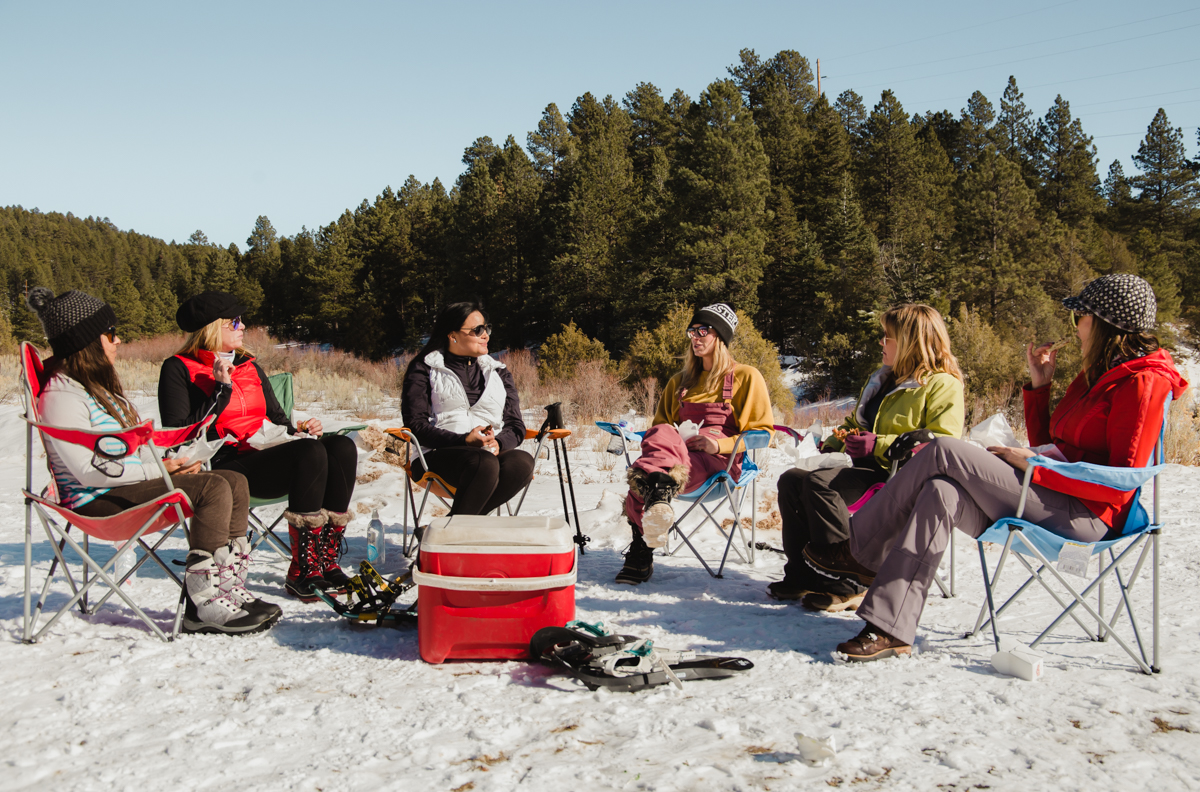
[[1111, 415], [215, 375], [726, 398], [83, 391]]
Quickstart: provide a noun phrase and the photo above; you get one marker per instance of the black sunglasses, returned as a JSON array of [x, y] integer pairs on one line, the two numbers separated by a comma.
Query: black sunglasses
[[699, 330], [1075, 317], [479, 330]]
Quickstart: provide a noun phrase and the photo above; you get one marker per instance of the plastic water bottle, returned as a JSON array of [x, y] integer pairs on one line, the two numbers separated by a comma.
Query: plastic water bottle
[[376, 540], [616, 446], [124, 564]]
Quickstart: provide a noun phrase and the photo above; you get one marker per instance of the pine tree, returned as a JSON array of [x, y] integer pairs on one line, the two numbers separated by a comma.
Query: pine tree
[[1167, 183], [1014, 131], [975, 130], [1155, 267], [721, 184], [551, 146], [889, 174], [1067, 166], [1001, 242]]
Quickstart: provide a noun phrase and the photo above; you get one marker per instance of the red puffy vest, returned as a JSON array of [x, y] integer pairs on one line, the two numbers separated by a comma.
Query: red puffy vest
[[247, 408]]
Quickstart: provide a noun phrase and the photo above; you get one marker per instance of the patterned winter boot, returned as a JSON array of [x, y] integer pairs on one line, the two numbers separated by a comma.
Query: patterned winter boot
[[657, 491], [209, 609], [239, 550], [304, 576], [333, 546]]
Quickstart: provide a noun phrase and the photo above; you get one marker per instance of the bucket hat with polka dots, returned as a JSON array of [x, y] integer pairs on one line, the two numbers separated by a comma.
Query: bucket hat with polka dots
[[1124, 301]]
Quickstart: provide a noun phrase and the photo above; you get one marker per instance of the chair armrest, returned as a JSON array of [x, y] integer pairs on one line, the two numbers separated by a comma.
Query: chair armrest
[[1118, 478], [787, 430], [615, 430], [134, 437], [170, 437]]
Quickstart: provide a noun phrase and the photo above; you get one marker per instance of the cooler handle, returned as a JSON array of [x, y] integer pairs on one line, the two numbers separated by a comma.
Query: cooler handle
[[494, 584]]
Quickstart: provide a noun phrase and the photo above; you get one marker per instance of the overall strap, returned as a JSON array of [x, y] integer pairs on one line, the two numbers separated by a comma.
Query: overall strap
[[727, 391]]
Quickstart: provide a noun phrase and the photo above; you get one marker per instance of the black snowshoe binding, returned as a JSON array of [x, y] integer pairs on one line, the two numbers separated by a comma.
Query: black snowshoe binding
[[372, 599], [598, 658]]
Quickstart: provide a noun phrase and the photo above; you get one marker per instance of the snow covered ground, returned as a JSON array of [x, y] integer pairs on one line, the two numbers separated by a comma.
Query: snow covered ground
[[316, 704]]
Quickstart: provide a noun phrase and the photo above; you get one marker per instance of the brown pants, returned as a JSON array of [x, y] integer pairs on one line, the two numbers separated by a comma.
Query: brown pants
[[220, 504], [903, 531]]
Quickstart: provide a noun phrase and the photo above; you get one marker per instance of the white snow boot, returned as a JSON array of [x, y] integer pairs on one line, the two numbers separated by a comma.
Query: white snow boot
[[208, 608], [235, 585]]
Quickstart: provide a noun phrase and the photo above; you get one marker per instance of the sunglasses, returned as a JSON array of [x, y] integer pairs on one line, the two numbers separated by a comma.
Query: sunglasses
[[236, 323], [111, 333], [699, 331], [1076, 317], [479, 331]]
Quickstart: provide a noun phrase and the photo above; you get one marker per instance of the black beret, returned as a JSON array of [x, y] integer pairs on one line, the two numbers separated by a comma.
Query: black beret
[[205, 308]]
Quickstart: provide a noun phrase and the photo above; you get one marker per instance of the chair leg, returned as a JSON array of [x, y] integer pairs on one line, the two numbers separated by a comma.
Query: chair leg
[[1156, 666]]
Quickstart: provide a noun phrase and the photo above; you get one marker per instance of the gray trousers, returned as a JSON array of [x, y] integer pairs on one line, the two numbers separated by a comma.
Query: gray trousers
[[903, 531]]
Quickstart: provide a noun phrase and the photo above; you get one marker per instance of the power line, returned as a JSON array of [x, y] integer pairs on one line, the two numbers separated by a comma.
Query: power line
[[1031, 44], [1115, 74], [957, 30], [1139, 96], [1145, 107], [1031, 58]]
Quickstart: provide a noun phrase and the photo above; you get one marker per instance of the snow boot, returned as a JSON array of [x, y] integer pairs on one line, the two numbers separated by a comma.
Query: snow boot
[[657, 491], [208, 608], [639, 563], [332, 546], [239, 551], [304, 576]]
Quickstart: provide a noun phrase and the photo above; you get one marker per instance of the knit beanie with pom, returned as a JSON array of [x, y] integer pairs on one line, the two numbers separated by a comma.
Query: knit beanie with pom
[[71, 320]]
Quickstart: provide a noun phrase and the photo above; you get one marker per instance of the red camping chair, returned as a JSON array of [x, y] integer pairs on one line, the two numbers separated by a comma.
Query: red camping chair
[[164, 514]]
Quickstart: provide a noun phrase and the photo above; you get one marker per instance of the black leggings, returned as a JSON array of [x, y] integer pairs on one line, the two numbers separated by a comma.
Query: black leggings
[[314, 474], [812, 507], [482, 480]]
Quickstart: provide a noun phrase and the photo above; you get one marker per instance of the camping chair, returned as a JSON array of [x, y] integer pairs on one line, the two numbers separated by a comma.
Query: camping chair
[[162, 515], [1023, 541], [720, 489], [281, 386], [435, 485]]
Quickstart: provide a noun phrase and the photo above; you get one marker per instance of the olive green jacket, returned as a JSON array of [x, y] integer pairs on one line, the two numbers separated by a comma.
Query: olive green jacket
[[937, 406]]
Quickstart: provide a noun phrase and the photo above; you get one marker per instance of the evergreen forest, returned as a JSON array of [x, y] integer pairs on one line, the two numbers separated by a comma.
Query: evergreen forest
[[807, 213]]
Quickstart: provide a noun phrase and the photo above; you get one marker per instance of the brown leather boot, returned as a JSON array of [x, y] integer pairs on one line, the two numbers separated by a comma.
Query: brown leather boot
[[835, 560], [872, 644]]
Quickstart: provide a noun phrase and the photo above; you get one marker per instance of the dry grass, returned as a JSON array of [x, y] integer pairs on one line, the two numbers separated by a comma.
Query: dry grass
[[1182, 443], [10, 379]]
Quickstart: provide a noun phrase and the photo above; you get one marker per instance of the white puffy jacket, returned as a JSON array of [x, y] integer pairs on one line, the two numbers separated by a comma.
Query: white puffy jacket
[[448, 398]]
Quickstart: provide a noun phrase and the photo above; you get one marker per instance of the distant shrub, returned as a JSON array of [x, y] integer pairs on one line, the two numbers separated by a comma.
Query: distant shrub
[[658, 354], [990, 366], [564, 351]]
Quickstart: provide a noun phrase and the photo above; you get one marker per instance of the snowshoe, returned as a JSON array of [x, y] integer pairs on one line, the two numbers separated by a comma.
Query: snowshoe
[[372, 599], [598, 658]]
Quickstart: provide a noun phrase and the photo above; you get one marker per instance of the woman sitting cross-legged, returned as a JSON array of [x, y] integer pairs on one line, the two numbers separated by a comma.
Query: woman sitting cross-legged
[[83, 391], [726, 398], [462, 406], [1111, 415], [215, 375], [918, 387]]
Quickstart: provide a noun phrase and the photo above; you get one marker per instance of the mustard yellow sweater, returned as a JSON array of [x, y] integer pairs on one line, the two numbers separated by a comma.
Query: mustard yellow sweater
[[751, 402]]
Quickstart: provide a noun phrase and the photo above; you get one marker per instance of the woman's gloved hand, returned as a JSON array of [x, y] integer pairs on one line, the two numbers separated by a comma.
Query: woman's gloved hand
[[907, 444], [860, 445]]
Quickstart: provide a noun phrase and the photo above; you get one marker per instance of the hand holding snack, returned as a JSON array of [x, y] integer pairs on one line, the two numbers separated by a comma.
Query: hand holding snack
[[860, 444]]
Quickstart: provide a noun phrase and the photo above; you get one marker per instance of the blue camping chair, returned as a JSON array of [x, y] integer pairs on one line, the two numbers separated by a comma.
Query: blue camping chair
[[718, 490], [1024, 541]]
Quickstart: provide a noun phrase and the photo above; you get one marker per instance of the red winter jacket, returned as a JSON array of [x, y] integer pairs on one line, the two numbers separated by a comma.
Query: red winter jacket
[[1116, 422], [246, 409]]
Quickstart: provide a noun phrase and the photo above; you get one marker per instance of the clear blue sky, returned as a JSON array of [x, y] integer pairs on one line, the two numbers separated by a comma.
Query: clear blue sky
[[170, 117]]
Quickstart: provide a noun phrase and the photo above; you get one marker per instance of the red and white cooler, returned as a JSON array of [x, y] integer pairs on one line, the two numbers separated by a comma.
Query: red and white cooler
[[487, 584]]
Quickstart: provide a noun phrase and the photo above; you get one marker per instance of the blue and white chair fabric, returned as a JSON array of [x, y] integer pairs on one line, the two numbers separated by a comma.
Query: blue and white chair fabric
[[720, 489], [1138, 543]]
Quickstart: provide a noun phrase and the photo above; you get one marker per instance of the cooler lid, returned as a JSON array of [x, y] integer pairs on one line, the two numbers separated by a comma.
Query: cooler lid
[[535, 534]]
